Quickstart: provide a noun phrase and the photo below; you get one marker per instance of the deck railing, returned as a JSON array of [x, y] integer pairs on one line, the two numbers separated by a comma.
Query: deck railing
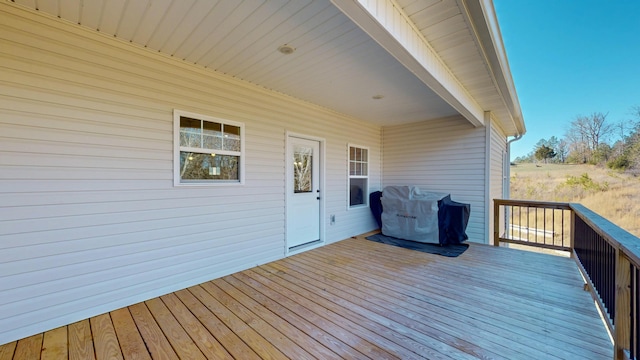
[[608, 257]]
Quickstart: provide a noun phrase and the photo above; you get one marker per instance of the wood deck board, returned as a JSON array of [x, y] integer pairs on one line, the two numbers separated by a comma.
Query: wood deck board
[[227, 338], [390, 296], [80, 341], [131, 343], [7, 350], [54, 345], [428, 283], [156, 341], [304, 323], [320, 317], [259, 344], [441, 327], [354, 299], [182, 344], [310, 345], [29, 348], [428, 277], [435, 304], [386, 308], [104, 338], [445, 329], [206, 342]]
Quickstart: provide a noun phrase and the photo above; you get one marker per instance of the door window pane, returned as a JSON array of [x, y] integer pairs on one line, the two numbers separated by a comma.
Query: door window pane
[[302, 169]]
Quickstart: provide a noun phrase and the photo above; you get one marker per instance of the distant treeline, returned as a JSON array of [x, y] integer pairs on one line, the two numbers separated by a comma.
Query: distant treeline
[[588, 141]]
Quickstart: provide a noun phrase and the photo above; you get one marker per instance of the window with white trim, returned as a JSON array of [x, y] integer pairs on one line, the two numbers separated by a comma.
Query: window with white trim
[[207, 150], [358, 176]]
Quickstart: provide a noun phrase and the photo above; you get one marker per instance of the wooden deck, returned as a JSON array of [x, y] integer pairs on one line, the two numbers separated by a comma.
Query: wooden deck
[[355, 299]]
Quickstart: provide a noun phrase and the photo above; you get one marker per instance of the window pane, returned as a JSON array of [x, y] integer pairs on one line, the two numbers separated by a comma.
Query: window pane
[[195, 166], [352, 168], [190, 132], [302, 169], [365, 169], [357, 191], [352, 153], [212, 135], [365, 155], [231, 138]]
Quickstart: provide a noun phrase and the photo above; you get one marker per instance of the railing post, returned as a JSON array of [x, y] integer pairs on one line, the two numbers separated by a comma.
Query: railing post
[[572, 235], [622, 321], [496, 223]]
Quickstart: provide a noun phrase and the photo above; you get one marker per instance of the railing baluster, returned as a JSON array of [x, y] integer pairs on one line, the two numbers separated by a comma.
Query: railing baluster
[[544, 225]]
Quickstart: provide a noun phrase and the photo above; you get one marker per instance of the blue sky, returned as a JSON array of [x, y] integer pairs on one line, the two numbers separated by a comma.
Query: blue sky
[[571, 58]]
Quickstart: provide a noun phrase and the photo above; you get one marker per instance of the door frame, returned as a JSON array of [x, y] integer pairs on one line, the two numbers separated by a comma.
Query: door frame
[[288, 190]]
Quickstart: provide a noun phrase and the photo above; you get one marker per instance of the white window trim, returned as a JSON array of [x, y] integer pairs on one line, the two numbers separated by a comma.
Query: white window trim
[[349, 177], [176, 150]]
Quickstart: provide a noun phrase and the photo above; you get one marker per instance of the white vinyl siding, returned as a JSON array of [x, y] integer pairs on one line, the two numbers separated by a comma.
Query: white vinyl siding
[[89, 218], [498, 141], [445, 155]]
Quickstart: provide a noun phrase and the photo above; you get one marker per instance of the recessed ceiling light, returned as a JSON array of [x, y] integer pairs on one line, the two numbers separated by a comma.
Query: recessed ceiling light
[[286, 49], [377, 97]]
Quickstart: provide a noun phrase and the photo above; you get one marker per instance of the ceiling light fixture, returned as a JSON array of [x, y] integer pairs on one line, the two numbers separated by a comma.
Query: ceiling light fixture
[[286, 49], [377, 97]]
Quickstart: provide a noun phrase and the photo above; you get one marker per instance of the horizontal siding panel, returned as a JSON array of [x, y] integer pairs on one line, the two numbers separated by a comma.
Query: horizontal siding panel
[[131, 256], [13, 145], [18, 255], [81, 161], [38, 172], [10, 186], [73, 137], [186, 194], [209, 205], [138, 218]]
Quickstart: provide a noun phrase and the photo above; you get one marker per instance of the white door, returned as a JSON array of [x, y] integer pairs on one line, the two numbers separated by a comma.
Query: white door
[[303, 192]]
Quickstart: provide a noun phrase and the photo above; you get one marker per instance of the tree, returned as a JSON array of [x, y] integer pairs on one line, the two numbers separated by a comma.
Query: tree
[[632, 143], [544, 152], [562, 150], [586, 133]]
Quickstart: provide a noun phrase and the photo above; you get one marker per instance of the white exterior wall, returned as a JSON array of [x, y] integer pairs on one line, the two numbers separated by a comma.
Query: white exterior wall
[[89, 218], [445, 155], [497, 158]]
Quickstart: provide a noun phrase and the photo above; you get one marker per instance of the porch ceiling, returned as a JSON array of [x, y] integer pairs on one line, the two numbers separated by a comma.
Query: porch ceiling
[[335, 63]]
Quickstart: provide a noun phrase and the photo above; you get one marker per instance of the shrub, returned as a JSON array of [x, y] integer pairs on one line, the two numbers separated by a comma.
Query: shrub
[[620, 163], [586, 183]]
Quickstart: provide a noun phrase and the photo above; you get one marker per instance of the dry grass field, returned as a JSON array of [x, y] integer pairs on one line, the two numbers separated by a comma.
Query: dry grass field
[[611, 194]]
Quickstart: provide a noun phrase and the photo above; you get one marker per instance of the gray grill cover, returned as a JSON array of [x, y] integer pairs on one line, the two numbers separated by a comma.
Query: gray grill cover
[[411, 214]]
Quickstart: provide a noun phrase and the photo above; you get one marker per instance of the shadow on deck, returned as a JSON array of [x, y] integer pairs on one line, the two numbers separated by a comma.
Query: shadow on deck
[[355, 299]]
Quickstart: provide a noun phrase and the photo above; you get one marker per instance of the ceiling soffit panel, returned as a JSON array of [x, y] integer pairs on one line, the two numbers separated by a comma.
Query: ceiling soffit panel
[[390, 26], [472, 49]]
